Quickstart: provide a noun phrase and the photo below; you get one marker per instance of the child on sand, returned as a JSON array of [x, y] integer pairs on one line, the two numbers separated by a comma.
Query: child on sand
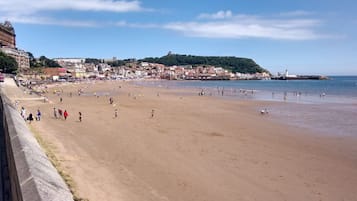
[[65, 114]]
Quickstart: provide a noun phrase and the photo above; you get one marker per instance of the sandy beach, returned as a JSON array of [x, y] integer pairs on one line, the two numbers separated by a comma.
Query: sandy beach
[[196, 148]]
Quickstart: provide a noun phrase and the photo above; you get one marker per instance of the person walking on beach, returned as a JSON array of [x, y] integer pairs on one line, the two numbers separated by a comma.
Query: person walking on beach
[[38, 117], [264, 111], [30, 118], [115, 113], [55, 112], [152, 113], [61, 99], [80, 116], [65, 114], [23, 112], [60, 113]]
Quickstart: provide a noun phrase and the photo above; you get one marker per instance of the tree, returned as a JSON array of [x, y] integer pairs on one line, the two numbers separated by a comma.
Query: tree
[[44, 62], [33, 62], [92, 60], [7, 63]]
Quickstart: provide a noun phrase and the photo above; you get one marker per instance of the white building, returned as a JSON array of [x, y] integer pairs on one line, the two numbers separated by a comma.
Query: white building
[[144, 64], [70, 60]]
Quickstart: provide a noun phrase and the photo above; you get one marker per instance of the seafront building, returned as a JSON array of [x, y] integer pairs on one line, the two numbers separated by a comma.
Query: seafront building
[[8, 46], [22, 58]]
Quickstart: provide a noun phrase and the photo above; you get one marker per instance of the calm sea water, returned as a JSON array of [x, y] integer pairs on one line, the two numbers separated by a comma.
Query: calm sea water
[[326, 106]]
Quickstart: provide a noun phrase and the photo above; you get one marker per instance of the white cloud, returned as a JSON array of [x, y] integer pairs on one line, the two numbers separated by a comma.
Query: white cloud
[[25, 7], [224, 24], [219, 15], [37, 11], [121, 23], [51, 21], [297, 25], [296, 13]]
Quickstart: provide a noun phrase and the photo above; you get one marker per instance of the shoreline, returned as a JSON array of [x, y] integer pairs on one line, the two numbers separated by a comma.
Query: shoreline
[[195, 148], [322, 115]]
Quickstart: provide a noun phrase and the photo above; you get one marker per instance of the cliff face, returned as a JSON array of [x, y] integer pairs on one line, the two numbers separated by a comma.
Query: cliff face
[[234, 64]]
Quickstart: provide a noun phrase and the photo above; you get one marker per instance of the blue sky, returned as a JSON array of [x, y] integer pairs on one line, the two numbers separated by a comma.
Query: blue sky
[[304, 36]]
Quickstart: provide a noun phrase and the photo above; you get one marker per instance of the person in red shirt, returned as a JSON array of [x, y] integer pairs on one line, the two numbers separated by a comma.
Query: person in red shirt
[[65, 114]]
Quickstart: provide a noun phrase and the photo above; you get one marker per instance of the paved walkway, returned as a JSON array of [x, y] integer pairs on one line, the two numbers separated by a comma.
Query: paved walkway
[[10, 88], [13, 92]]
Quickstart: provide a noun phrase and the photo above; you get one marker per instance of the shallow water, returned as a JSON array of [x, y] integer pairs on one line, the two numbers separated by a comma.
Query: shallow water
[[327, 119], [328, 107]]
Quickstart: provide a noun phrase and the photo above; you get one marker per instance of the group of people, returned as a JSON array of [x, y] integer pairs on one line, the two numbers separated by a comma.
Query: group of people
[[30, 117], [60, 113], [64, 114]]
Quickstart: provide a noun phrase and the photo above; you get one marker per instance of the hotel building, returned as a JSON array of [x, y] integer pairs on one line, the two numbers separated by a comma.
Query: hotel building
[[7, 35], [8, 46]]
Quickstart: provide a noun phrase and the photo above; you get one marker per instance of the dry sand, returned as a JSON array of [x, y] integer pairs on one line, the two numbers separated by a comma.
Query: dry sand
[[194, 148]]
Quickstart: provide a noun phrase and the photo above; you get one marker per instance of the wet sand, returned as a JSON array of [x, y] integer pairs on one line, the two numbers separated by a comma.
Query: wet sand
[[197, 148]]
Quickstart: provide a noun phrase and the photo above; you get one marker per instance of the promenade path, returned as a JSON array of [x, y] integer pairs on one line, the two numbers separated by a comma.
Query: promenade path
[[10, 87], [14, 93]]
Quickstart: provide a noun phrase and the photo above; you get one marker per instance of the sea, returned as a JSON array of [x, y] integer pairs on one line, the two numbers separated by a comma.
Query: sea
[[328, 107]]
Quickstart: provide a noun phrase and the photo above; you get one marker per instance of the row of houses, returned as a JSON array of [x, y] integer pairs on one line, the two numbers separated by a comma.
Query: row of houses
[[79, 69]]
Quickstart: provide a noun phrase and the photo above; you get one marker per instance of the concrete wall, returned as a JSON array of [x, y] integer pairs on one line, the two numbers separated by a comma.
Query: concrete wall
[[32, 176]]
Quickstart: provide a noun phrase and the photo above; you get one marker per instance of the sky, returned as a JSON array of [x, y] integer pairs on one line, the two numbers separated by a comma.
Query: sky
[[303, 36]]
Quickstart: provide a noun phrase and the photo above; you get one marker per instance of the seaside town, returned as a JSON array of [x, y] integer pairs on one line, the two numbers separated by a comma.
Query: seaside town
[[85, 129], [71, 69]]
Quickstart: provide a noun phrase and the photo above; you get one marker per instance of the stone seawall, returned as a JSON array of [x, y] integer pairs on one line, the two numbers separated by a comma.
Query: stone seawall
[[32, 176]]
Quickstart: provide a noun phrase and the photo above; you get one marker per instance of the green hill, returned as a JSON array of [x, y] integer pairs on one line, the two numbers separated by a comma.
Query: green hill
[[233, 64]]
